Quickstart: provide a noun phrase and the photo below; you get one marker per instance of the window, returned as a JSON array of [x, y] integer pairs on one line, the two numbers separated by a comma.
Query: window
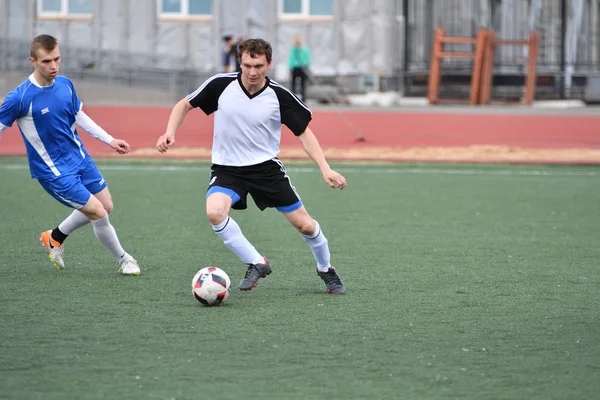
[[185, 8], [306, 8], [65, 8]]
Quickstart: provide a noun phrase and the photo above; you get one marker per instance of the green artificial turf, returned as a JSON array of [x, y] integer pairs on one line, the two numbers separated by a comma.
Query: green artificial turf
[[463, 281]]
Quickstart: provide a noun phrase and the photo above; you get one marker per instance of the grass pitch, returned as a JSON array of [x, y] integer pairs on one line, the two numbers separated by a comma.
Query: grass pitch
[[463, 282]]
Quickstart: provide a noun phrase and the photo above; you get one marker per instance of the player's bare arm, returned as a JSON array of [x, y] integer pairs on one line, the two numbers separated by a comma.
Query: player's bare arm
[[175, 120], [313, 149]]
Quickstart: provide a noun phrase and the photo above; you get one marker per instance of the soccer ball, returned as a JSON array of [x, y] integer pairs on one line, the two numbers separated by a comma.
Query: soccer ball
[[211, 286]]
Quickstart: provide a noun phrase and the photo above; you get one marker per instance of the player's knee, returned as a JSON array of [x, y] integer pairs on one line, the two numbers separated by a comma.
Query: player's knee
[[102, 213], [216, 215], [307, 226], [109, 207], [95, 213]]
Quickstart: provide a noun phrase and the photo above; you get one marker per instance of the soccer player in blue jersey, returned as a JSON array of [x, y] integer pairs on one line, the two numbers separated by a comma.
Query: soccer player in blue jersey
[[47, 109], [249, 112]]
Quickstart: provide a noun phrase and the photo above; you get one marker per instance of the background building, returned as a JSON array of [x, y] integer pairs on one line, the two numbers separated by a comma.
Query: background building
[[364, 44]]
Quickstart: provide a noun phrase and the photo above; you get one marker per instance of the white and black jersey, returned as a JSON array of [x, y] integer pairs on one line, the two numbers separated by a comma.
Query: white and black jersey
[[247, 128]]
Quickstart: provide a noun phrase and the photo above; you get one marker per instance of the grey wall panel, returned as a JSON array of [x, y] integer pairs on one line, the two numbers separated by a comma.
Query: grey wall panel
[[321, 39], [80, 36], [58, 29], [201, 48], [355, 47], [381, 23], [232, 15], [21, 19], [356, 10], [18, 29], [257, 20], [3, 19], [171, 44], [80, 33], [356, 37], [141, 28], [113, 17]]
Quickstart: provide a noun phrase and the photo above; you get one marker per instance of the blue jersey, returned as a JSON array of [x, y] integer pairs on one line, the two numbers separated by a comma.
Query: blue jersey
[[46, 119]]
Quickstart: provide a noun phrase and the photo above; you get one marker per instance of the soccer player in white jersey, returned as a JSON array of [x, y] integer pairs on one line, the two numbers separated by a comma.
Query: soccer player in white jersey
[[249, 112], [47, 109]]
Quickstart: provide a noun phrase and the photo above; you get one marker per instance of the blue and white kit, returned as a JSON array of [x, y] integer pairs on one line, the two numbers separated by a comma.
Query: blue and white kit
[[47, 117]]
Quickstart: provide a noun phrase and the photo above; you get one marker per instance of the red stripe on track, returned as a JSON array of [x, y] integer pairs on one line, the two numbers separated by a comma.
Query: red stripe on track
[[141, 127]]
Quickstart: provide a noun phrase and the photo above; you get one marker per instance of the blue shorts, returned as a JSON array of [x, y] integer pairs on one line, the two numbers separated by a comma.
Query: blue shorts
[[74, 190]]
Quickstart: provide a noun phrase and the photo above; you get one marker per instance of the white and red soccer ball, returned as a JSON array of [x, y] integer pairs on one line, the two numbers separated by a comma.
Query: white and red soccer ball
[[211, 286]]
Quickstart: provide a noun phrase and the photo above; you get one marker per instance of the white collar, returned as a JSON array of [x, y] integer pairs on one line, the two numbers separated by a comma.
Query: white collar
[[36, 83]]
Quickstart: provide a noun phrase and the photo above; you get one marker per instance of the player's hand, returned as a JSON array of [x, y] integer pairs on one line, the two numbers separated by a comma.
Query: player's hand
[[164, 142], [121, 146], [334, 179]]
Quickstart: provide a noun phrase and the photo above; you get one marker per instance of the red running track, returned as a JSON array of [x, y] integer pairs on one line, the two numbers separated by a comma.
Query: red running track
[[142, 126]]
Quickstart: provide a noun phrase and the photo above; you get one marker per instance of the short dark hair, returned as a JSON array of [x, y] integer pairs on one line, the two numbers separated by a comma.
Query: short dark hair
[[45, 42], [255, 47]]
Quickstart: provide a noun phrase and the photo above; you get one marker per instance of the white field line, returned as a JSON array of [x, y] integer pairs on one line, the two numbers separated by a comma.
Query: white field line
[[352, 170]]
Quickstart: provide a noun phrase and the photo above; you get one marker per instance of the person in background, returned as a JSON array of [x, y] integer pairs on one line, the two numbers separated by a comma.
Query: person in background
[[227, 50], [298, 64]]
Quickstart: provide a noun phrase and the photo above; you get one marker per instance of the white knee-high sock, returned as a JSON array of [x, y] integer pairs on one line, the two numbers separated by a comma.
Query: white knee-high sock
[[106, 233], [320, 248], [76, 220], [235, 240]]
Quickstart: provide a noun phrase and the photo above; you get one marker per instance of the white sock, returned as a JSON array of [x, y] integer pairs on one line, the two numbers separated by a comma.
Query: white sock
[[235, 240], [76, 220], [106, 233], [320, 248]]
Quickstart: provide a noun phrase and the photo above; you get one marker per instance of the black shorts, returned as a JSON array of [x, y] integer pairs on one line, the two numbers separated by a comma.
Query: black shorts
[[267, 183]]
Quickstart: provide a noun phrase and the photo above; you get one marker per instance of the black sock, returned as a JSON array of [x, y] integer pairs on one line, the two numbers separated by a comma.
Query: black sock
[[58, 235]]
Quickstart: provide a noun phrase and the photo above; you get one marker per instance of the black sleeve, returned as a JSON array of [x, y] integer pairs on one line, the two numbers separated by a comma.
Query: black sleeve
[[294, 113], [207, 95]]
